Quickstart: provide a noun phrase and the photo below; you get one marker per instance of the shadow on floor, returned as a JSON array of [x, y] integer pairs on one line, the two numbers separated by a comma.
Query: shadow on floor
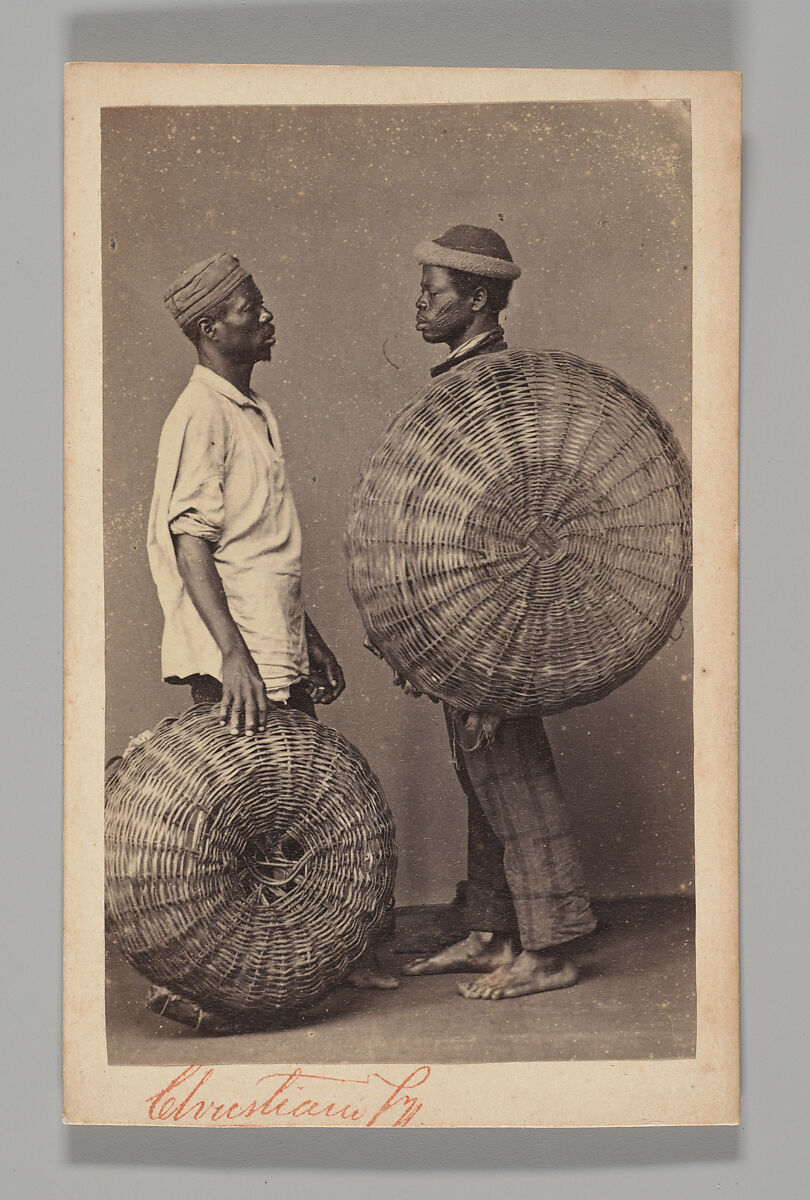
[[635, 1000]]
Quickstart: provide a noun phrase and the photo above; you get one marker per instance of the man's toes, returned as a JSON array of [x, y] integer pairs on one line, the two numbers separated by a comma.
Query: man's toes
[[365, 978], [473, 991]]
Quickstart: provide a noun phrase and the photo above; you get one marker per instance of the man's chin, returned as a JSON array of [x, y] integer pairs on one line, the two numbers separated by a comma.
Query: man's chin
[[429, 335]]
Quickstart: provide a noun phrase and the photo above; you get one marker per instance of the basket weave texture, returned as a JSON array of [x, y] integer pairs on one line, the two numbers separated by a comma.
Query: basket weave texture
[[246, 874], [521, 538]]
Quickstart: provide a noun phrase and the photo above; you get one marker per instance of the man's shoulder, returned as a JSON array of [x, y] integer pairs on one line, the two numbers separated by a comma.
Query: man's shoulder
[[198, 400]]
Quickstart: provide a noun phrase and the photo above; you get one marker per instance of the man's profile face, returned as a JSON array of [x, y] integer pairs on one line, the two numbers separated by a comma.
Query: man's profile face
[[442, 314], [245, 330]]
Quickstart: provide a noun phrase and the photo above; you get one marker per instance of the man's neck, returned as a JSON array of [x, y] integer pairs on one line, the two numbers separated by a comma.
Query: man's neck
[[237, 374], [479, 343], [473, 340], [481, 323]]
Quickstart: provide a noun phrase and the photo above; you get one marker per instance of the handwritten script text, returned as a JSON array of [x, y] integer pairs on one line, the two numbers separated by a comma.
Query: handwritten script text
[[193, 1097]]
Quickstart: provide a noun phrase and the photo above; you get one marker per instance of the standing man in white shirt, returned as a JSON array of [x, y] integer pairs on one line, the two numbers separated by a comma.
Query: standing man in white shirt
[[224, 539], [224, 536]]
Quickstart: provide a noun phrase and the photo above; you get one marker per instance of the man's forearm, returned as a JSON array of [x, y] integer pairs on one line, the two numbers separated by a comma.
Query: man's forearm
[[197, 568], [311, 631], [243, 691]]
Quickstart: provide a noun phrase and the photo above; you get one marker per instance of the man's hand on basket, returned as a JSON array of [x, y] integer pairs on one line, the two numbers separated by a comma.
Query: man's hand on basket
[[480, 729], [401, 682], [369, 645], [399, 679], [244, 699]]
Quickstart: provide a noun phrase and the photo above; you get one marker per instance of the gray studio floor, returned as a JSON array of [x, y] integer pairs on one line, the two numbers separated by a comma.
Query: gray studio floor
[[635, 999]]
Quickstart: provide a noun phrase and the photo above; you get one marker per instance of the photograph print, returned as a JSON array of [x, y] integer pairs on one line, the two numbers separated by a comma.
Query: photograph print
[[398, 579]]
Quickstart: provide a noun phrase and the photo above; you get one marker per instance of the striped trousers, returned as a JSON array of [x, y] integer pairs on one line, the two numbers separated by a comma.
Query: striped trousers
[[523, 871]]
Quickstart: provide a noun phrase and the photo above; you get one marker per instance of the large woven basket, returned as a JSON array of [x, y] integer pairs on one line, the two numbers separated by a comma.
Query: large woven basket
[[521, 538], [246, 874]]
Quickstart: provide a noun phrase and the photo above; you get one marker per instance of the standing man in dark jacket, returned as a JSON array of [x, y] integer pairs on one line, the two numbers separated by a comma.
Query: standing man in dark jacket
[[526, 897]]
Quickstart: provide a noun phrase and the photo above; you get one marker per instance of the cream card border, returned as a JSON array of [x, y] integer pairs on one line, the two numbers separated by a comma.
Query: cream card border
[[704, 1090]]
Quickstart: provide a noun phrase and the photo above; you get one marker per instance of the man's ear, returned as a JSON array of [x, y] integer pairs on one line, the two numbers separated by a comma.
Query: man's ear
[[479, 299], [205, 328]]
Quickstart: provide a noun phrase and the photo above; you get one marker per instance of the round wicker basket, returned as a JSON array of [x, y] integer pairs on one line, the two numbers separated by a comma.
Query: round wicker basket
[[521, 538], [246, 874]]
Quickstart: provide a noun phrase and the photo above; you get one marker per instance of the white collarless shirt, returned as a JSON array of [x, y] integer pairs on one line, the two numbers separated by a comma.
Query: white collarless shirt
[[221, 476]]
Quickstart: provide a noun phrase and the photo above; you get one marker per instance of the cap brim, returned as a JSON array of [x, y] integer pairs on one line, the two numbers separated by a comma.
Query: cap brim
[[430, 254]]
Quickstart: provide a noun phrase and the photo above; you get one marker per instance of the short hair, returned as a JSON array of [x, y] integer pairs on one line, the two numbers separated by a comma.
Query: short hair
[[215, 313], [497, 290]]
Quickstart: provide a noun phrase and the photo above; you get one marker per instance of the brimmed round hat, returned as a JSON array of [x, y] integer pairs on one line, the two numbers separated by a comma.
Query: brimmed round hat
[[469, 248], [202, 286]]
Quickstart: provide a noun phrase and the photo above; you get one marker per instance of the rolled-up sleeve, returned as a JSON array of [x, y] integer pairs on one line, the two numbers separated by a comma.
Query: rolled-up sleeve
[[197, 505]]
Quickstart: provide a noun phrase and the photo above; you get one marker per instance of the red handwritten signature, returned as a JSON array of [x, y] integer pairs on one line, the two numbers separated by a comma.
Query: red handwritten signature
[[191, 1097]]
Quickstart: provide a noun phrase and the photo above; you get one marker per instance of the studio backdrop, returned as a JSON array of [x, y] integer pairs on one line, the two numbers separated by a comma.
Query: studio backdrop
[[324, 205]]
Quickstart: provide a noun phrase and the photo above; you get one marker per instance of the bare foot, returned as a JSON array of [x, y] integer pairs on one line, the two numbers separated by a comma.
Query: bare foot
[[478, 952], [187, 1012], [369, 973], [532, 971]]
